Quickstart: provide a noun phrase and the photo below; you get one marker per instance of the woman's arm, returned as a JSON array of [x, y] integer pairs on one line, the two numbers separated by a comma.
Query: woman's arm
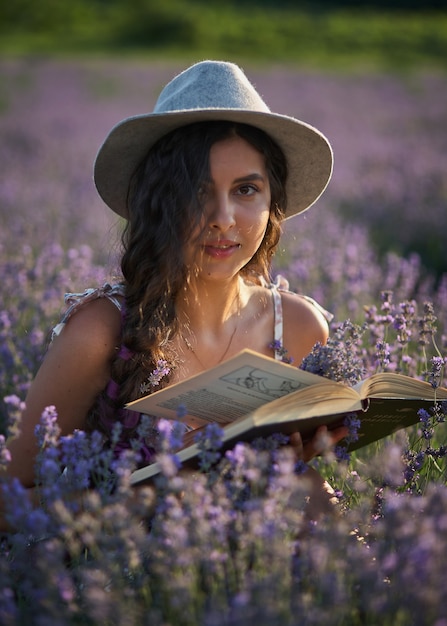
[[75, 370]]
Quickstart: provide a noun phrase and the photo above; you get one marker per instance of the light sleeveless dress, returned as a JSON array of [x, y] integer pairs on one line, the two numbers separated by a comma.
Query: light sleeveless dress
[[108, 414]]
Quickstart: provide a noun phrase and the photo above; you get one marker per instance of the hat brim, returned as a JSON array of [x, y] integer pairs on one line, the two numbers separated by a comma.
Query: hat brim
[[308, 152]]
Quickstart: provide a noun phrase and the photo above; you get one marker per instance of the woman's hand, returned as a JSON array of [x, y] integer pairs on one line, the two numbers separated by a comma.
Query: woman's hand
[[322, 497], [323, 439]]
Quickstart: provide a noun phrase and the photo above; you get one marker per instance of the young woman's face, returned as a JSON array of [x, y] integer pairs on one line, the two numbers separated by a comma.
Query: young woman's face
[[236, 203]]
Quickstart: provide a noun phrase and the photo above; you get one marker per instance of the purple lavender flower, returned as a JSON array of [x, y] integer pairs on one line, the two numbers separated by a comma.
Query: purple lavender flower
[[9, 612], [436, 372], [270, 443], [383, 355], [427, 324], [209, 442], [341, 453], [300, 467], [280, 351], [425, 419], [47, 432], [339, 359], [5, 455], [172, 433], [18, 508], [14, 406], [156, 376], [353, 423], [236, 455]]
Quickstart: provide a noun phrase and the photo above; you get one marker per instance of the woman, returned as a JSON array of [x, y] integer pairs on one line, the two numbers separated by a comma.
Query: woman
[[204, 183]]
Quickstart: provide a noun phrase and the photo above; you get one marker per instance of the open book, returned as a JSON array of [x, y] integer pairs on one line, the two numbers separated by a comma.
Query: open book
[[252, 395]]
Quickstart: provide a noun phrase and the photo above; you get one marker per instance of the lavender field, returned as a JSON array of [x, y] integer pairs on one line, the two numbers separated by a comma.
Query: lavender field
[[371, 251], [389, 136]]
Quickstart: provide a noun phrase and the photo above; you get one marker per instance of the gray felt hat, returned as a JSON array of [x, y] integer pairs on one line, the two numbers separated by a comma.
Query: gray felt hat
[[213, 90]]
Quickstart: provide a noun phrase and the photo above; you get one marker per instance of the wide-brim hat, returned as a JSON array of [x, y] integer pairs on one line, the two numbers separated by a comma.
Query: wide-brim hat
[[213, 90]]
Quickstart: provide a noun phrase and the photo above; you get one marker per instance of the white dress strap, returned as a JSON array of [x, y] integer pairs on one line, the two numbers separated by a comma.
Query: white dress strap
[[77, 300], [281, 284], [277, 319]]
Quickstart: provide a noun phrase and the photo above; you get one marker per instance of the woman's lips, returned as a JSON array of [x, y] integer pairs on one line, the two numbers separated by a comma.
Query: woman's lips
[[221, 249]]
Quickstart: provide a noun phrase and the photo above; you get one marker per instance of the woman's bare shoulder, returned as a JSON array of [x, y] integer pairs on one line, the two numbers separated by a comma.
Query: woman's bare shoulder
[[95, 326], [304, 325], [85, 348]]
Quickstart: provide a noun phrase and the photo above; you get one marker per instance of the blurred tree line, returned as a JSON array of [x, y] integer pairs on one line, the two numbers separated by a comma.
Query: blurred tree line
[[400, 31], [318, 5]]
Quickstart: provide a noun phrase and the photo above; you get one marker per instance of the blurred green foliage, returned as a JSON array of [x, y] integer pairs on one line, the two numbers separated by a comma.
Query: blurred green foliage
[[325, 33]]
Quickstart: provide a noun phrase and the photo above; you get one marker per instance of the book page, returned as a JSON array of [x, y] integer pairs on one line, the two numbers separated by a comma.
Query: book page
[[229, 391], [392, 385]]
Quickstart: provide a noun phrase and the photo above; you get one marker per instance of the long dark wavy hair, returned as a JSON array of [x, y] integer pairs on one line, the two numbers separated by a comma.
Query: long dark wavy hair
[[164, 211]]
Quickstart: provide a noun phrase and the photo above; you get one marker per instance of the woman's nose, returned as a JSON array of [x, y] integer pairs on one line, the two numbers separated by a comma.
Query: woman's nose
[[221, 212]]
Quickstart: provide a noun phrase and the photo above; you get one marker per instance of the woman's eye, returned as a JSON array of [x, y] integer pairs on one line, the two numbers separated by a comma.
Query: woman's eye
[[247, 190]]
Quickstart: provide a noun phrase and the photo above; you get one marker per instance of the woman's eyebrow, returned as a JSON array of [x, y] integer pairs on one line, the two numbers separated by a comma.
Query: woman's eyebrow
[[241, 179], [254, 176]]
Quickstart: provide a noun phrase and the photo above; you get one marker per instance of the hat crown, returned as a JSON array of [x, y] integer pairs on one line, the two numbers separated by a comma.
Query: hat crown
[[210, 85]]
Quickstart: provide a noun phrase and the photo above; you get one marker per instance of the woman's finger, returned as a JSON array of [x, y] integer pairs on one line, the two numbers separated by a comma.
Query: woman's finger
[[323, 440]]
